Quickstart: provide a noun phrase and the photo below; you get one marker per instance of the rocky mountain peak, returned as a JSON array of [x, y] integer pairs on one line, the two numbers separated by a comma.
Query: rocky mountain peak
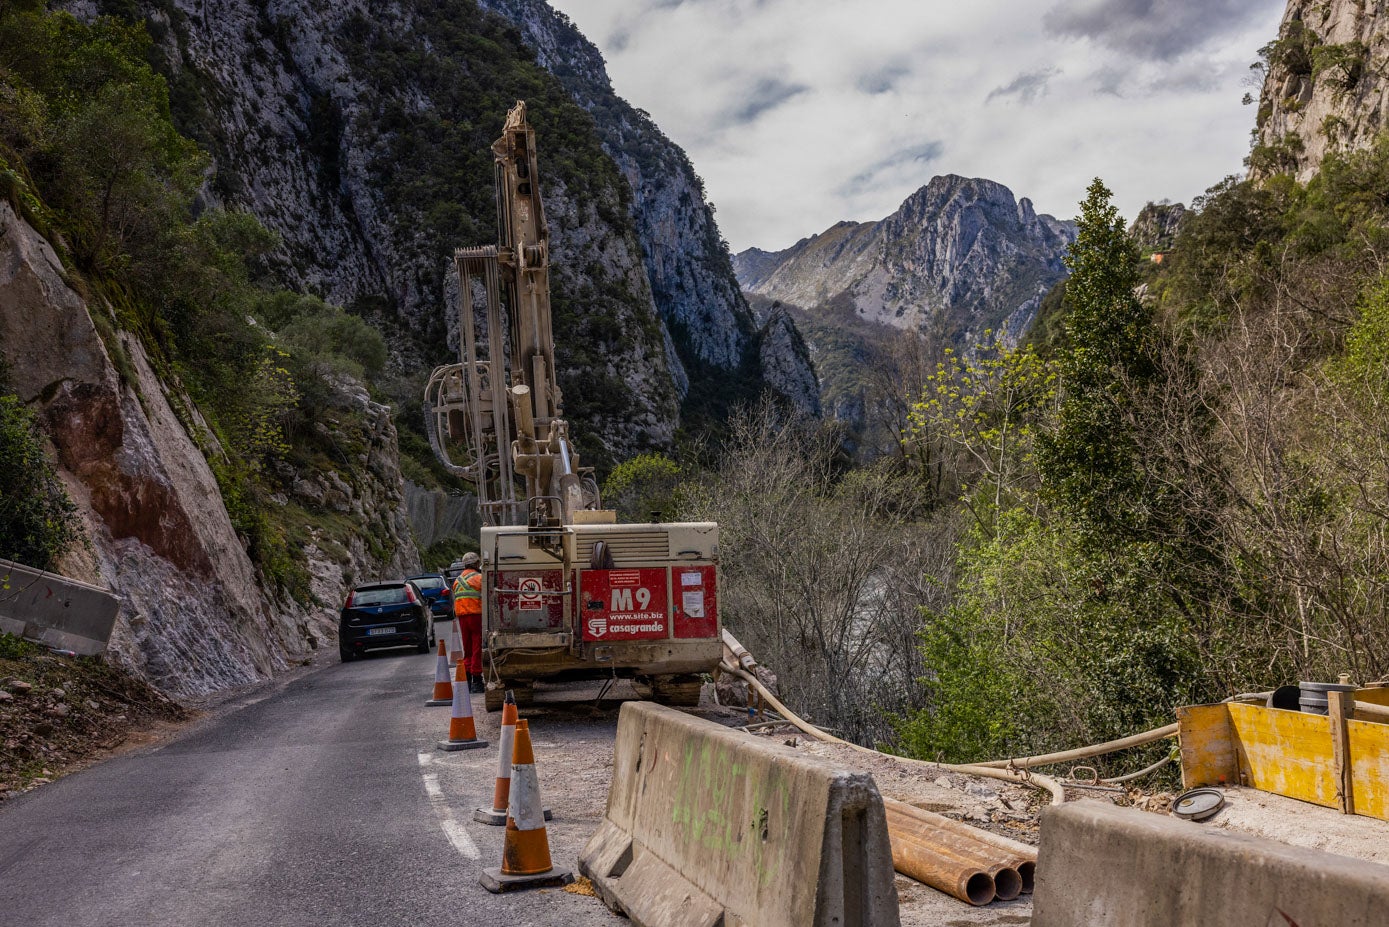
[[960, 250]]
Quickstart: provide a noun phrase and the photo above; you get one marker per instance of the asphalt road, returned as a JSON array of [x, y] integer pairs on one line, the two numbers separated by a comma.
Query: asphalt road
[[324, 802]]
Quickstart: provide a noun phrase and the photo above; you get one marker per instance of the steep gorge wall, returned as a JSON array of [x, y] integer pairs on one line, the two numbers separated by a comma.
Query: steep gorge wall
[[1325, 88], [711, 329], [360, 134], [196, 615]]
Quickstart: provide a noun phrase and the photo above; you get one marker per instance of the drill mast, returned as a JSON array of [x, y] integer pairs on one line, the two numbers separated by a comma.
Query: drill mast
[[502, 401]]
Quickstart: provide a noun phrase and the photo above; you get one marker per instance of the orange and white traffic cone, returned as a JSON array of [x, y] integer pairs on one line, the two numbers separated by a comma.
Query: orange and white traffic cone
[[526, 850], [501, 792], [456, 642], [462, 731], [443, 690]]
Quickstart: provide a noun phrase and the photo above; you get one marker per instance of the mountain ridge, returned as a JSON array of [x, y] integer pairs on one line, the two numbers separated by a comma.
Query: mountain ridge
[[959, 250]]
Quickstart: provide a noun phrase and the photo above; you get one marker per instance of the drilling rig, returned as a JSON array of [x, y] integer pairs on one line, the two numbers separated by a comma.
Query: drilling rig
[[568, 593]]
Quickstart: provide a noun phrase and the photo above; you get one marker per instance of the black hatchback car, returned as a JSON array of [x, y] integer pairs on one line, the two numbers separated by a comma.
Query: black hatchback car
[[436, 592], [386, 614]]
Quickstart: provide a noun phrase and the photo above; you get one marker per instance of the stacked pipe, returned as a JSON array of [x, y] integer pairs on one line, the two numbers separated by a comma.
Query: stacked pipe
[[957, 859]]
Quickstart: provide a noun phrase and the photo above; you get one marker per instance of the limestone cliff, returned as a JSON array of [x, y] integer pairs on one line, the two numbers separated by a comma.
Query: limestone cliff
[[361, 133], [195, 613], [696, 292], [961, 255], [1324, 88]]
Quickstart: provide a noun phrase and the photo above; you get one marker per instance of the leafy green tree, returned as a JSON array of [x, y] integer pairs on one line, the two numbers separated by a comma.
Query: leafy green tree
[[645, 484], [37, 519]]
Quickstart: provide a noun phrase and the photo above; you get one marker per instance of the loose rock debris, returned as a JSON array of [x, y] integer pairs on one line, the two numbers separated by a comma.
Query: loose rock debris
[[58, 711]]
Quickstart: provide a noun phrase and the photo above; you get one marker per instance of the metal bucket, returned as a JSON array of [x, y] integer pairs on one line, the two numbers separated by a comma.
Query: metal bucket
[[1313, 698]]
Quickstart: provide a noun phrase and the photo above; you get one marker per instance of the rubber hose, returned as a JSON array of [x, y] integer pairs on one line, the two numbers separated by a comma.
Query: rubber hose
[[1019, 776]]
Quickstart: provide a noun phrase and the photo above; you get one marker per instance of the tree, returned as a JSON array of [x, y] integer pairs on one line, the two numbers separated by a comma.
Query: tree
[[1088, 461], [643, 488]]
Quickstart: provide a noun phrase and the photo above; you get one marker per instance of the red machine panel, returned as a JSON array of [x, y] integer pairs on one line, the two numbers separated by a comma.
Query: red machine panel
[[624, 605], [696, 601], [522, 604]]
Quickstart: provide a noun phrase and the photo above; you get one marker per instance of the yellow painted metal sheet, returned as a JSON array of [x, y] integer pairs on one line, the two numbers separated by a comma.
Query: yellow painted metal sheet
[[1286, 752], [1376, 696], [1369, 763], [1207, 743]]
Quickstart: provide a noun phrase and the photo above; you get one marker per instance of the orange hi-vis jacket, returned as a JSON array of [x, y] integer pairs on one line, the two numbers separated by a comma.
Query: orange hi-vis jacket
[[467, 594]]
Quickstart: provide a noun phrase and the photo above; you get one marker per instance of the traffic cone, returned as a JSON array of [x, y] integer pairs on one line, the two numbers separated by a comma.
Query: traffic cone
[[462, 732], [496, 815], [456, 642], [526, 850], [443, 691]]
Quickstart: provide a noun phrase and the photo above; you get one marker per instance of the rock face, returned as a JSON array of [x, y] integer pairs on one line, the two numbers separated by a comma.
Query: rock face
[[786, 364], [1156, 226], [132, 452], [359, 133], [696, 292], [194, 614], [1324, 89], [960, 255], [435, 515]]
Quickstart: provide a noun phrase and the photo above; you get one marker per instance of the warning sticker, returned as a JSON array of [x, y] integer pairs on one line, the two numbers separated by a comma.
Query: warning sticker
[[530, 599], [692, 603]]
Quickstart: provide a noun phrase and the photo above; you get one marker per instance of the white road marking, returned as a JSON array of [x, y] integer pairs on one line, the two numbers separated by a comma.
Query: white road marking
[[425, 759], [458, 836], [451, 826]]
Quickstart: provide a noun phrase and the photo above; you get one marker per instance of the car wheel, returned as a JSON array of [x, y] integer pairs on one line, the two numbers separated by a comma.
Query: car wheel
[[347, 655]]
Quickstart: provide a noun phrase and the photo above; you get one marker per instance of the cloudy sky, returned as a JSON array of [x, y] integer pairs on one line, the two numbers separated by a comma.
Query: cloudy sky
[[800, 113]]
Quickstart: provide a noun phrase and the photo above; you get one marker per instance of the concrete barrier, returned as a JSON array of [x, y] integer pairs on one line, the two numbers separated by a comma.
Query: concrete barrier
[[710, 826], [55, 610], [1102, 866]]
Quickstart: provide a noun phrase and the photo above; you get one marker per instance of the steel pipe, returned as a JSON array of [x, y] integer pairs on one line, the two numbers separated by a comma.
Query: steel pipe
[[989, 850], [942, 870]]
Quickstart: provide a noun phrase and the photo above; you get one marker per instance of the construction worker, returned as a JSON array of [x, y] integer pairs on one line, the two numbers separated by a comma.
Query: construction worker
[[467, 609]]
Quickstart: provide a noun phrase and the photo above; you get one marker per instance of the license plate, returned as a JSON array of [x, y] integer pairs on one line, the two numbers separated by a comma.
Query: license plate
[[375, 631]]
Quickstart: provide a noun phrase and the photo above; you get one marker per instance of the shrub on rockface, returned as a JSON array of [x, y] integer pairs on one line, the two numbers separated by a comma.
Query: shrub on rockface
[[37, 519]]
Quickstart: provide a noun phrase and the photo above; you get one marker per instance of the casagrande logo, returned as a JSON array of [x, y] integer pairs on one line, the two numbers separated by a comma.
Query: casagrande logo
[[598, 625]]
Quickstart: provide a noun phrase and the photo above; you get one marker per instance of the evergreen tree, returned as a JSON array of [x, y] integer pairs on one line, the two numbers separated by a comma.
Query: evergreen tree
[[1089, 462]]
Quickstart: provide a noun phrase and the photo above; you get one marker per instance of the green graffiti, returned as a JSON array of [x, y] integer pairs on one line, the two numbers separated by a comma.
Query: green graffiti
[[710, 780]]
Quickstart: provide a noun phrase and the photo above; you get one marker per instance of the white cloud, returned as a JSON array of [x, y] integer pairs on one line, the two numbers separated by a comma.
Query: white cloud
[[801, 113]]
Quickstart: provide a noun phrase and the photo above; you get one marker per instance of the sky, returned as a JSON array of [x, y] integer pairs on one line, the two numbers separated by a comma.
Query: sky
[[802, 113]]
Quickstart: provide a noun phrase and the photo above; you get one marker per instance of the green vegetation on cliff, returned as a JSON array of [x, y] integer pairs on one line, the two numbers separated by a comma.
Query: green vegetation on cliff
[[90, 156], [36, 515]]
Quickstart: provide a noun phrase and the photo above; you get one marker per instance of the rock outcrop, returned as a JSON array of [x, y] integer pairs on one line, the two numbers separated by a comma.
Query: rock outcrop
[[1324, 90], [1156, 226], [961, 255], [786, 363]]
